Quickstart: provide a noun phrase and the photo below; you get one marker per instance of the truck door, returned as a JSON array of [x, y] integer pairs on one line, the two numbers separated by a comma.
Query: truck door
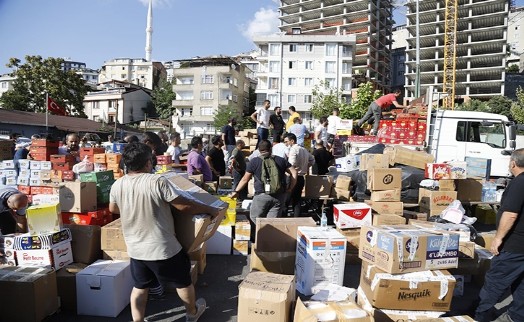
[[486, 140]]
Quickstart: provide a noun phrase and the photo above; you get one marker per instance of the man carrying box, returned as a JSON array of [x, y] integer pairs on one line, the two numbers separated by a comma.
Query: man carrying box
[[12, 211], [143, 201]]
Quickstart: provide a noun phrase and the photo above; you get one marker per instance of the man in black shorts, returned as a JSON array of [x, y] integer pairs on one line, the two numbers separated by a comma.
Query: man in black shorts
[[143, 201]]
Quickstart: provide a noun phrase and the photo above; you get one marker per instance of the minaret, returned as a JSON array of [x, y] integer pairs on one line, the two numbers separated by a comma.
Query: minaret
[[149, 31]]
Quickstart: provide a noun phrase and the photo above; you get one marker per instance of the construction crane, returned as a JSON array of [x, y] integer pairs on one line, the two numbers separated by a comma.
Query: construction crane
[[450, 53]]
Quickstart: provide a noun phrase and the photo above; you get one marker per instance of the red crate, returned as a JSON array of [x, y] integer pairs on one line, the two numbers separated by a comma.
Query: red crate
[[62, 158], [91, 151], [113, 158], [24, 189], [41, 190], [43, 149], [68, 175], [64, 166], [44, 143], [40, 156]]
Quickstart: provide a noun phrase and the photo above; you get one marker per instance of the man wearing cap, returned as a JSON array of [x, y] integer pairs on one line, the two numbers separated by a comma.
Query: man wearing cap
[[12, 211]]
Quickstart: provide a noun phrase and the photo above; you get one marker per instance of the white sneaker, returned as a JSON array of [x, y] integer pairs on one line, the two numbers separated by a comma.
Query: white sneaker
[[201, 307]]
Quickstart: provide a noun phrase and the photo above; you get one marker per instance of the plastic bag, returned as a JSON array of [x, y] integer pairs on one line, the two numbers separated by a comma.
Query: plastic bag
[[83, 166], [454, 212]]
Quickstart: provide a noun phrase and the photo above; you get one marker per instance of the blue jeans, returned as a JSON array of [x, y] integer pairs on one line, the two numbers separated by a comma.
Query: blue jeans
[[506, 269], [262, 134]]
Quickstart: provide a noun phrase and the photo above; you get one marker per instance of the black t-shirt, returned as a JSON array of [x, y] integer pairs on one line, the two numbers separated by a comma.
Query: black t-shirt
[[255, 167], [513, 201], [277, 122], [322, 158], [229, 132], [217, 160]]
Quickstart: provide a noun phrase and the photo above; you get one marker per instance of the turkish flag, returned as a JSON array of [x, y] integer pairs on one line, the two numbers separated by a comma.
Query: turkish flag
[[52, 106]]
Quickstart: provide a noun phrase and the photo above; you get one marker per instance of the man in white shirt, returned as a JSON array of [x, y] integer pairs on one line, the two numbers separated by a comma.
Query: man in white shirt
[[321, 131], [280, 149], [174, 148], [333, 125], [261, 117], [301, 160]]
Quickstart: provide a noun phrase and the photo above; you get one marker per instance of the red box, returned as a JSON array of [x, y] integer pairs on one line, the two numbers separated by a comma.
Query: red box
[[64, 166], [163, 159], [392, 141], [62, 158], [413, 124], [422, 126], [91, 151], [41, 190], [44, 143], [43, 149], [68, 175], [100, 217], [385, 123], [437, 171], [25, 189], [411, 134], [41, 156]]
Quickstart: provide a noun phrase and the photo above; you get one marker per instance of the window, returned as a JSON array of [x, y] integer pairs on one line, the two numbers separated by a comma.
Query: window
[[273, 99], [274, 67], [492, 134], [123, 76], [274, 49], [346, 51], [95, 105], [206, 110], [293, 48], [207, 79], [292, 64], [292, 81], [308, 81], [96, 118], [309, 48], [235, 98], [4, 84], [186, 111], [330, 82], [206, 95], [308, 64], [308, 98], [291, 98], [331, 49], [273, 83], [346, 68], [330, 66]]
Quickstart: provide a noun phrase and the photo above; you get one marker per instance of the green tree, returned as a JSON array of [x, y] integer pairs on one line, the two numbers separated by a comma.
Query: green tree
[[514, 68], [163, 97], [500, 105], [223, 114], [38, 76], [365, 96], [325, 99], [517, 109], [473, 105]]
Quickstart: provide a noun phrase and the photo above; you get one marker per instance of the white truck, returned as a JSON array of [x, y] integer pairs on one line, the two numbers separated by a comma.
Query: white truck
[[455, 135]]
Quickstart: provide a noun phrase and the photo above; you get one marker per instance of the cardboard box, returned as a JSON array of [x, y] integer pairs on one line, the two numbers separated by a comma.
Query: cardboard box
[[221, 241], [86, 243], [115, 255], [385, 219], [279, 234], [386, 195], [384, 179], [342, 194], [343, 182], [242, 228], [241, 247], [370, 161], [312, 311], [485, 239], [458, 169], [77, 196], [348, 163], [58, 256], [478, 168], [211, 186], [225, 182], [446, 185], [43, 219], [425, 290], [469, 189], [98, 177], [405, 248], [103, 288], [401, 155], [41, 241], [199, 256], [321, 256], [351, 215], [387, 207], [112, 237], [266, 297], [435, 201], [318, 186], [28, 294], [39, 199], [437, 171], [66, 286]]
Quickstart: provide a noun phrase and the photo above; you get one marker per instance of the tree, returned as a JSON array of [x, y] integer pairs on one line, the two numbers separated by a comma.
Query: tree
[[223, 114], [513, 68], [38, 76], [325, 99], [163, 97], [500, 105], [365, 96], [473, 105], [517, 109]]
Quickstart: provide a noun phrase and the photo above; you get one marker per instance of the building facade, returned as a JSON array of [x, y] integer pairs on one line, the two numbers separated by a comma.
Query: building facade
[[290, 66], [6, 83], [398, 56], [137, 71], [480, 52], [515, 35], [369, 21], [203, 86]]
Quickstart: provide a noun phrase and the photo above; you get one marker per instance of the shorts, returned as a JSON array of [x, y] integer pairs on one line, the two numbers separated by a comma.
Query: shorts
[[176, 270]]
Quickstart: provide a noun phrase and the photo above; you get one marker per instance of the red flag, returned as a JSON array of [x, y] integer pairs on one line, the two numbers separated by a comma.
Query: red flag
[[52, 106]]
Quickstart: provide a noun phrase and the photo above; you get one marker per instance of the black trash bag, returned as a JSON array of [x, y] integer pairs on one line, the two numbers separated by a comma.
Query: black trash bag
[[375, 149]]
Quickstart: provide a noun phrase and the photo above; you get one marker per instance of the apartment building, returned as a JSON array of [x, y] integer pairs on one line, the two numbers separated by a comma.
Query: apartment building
[[480, 52], [291, 65], [6, 83], [515, 35], [398, 56], [137, 71], [203, 86], [369, 21]]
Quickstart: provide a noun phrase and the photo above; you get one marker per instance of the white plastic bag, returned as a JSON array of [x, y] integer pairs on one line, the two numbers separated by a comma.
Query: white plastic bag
[[83, 166], [454, 212]]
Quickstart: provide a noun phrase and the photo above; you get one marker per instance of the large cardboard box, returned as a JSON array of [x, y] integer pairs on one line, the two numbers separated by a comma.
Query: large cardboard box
[[387, 219], [28, 294], [86, 243], [348, 163], [318, 186], [342, 194], [469, 189], [387, 207], [103, 288], [44, 219], [112, 237], [478, 168], [385, 195], [321, 256], [343, 182], [276, 243], [405, 248], [426, 290], [370, 161], [384, 179], [409, 157], [58, 256], [266, 297], [312, 311], [199, 256], [41, 241], [435, 201], [242, 228], [66, 284], [446, 185], [77, 196], [351, 215]]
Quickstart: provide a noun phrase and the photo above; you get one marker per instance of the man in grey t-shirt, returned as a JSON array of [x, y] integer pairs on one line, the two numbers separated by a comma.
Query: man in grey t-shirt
[[143, 200]]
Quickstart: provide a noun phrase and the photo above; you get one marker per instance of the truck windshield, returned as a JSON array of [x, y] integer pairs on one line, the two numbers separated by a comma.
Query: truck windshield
[[494, 134]]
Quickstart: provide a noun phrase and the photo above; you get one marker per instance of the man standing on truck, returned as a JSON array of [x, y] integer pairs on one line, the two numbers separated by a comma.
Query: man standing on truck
[[507, 266], [375, 110]]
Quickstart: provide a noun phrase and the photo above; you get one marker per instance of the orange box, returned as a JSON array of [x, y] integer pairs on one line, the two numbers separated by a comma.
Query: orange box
[[62, 158], [100, 158], [163, 159], [41, 190], [56, 174], [25, 189], [43, 149], [64, 166], [113, 158], [91, 151], [68, 175], [44, 142], [41, 156]]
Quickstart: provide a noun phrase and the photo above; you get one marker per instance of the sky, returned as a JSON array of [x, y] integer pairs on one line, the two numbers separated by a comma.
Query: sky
[[95, 31]]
